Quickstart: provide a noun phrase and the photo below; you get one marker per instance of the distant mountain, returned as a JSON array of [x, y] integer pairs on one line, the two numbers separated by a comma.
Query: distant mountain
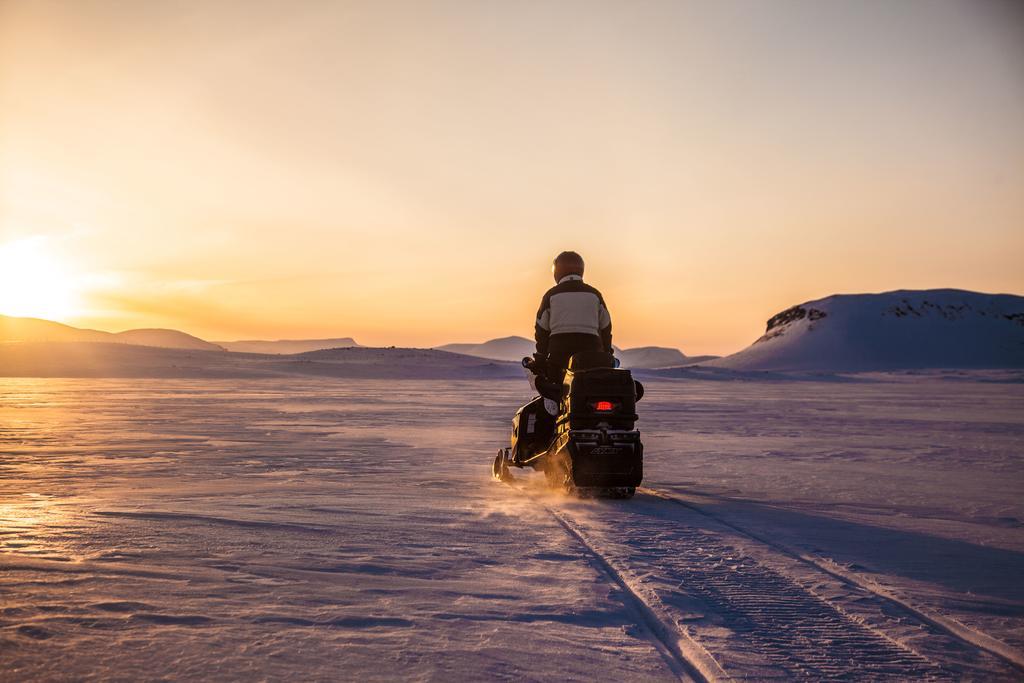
[[505, 348], [515, 348], [288, 346], [37, 330], [72, 359], [905, 329], [657, 357]]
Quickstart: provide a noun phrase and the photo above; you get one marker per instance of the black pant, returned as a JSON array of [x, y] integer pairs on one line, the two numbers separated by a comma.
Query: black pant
[[561, 347]]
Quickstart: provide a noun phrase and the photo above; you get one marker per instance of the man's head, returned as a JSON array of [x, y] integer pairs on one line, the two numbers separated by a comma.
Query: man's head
[[567, 263]]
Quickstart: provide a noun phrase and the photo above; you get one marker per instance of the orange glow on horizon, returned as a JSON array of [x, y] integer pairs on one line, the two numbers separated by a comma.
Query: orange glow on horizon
[[403, 173]]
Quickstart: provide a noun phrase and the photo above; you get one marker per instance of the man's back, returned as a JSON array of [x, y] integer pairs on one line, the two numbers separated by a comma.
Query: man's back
[[572, 317], [573, 306]]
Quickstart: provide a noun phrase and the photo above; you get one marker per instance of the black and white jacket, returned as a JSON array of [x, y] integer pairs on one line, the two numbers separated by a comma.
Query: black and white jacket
[[572, 307]]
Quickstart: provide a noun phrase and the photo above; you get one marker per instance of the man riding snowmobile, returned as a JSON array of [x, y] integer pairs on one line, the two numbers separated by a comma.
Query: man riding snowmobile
[[580, 431]]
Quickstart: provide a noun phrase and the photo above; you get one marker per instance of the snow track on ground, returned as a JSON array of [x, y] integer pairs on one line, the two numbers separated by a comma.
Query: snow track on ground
[[685, 657], [969, 636], [723, 603]]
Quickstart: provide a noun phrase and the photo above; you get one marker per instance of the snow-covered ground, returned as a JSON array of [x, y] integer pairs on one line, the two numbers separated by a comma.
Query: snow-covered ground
[[318, 529]]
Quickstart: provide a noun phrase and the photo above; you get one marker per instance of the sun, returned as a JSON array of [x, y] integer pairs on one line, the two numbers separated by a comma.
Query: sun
[[34, 282]]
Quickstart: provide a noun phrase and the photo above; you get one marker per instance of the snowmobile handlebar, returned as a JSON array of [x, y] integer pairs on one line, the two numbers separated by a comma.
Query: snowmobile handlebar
[[535, 365]]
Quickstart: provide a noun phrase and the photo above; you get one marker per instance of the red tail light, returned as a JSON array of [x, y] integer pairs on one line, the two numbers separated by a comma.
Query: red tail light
[[604, 406]]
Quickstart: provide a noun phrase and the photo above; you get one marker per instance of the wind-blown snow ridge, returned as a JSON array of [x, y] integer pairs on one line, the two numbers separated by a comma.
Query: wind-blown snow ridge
[[904, 329]]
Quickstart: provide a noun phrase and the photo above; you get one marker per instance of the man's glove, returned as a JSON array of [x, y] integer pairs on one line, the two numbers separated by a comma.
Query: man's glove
[[539, 365]]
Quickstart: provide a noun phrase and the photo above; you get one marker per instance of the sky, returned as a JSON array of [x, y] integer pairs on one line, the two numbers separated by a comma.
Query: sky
[[404, 172]]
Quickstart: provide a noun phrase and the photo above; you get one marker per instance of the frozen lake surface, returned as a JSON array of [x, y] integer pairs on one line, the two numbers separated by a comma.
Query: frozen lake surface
[[316, 529]]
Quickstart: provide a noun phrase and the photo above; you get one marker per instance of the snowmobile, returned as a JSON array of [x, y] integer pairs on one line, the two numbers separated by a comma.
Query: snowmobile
[[581, 432]]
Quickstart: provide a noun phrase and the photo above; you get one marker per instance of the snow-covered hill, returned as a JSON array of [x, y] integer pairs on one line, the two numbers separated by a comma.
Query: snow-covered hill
[[905, 329], [644, 357], [506, 348]]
